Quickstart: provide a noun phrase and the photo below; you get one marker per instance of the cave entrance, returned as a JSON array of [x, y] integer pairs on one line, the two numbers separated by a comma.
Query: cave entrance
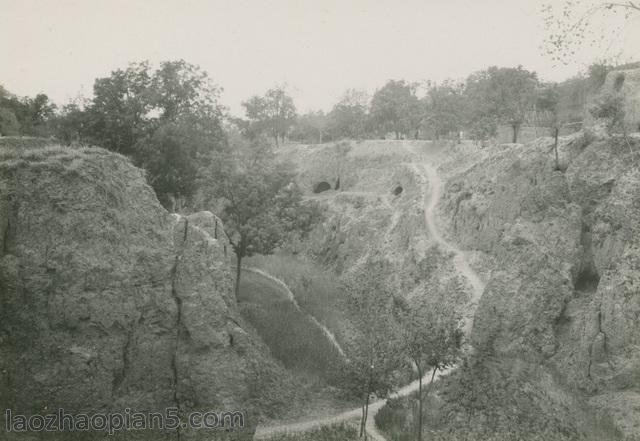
[[397, 190], [587, 280], [321, 186]]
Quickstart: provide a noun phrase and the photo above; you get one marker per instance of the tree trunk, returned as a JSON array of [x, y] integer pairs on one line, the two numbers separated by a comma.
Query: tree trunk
[[420, 398], [366, 415], [555, 146], [238, 271]]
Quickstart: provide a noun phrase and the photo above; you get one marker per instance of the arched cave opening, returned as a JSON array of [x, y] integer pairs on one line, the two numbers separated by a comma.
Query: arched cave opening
[[397, 190], [587, 280], [321, 186]]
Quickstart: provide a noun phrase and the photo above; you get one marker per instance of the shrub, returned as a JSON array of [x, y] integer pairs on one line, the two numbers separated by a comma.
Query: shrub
[[609, 107]]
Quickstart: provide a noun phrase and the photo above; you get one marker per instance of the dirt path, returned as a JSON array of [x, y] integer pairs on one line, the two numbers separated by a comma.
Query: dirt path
[[430, 178], [432, 190]]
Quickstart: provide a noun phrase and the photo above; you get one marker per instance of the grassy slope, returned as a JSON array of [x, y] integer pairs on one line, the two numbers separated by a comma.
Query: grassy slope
[[311, 362], [292, 337], [317, 292]]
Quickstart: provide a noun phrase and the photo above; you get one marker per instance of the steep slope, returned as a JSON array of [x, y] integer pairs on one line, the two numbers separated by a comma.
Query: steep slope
[[108, 302], [378, 212], [558, 326]]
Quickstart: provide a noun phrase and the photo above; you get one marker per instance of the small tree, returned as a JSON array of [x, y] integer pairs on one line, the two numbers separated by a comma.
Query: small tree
[[548, 115], [261, 202], [572, 24], [348, 118], [432, 340], [374, 352], [273, 114], [609, 107], [310, 128]]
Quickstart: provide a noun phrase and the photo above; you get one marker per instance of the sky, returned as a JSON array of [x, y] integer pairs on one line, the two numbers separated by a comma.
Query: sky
[[317, 48]]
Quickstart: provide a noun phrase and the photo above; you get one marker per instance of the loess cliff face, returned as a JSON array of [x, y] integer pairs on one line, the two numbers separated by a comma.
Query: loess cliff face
[[108, 302], [563, 296], [627, 83], [377, 212]]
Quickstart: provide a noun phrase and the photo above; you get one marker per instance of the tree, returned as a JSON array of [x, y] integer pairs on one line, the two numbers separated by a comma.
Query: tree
[[310, 128], [504, 95], [274, 113], [9, 125], [41, 112], [117, 113], [25, 115], [395, 108], [173, 152], [374, 350], [431, 339], [69, 125], [167, 120], [348, 118], [261, 202], [444, 108], [573, 24], [609, 107], [548, 114]]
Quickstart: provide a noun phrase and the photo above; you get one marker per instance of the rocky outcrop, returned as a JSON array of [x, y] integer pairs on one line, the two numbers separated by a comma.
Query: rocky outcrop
[[107, 302], [563, 299], [627, 83]]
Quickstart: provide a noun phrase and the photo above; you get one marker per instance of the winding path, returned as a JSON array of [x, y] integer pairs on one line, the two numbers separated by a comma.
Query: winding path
[[431, 179], [431, 189]]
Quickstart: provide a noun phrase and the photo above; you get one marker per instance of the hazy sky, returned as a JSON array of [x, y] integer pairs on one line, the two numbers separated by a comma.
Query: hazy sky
[[319, 48]]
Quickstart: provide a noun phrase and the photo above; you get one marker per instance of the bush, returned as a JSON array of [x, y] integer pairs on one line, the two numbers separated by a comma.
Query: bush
[[609, 107]]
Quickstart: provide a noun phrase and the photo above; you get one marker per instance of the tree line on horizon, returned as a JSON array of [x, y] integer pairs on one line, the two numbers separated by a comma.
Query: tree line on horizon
[[170, 122], [478, 105]]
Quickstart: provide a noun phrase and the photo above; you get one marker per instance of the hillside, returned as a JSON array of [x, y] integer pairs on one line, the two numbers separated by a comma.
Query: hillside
[[109, 302], [559, 315], [377, 212], [555, 334]]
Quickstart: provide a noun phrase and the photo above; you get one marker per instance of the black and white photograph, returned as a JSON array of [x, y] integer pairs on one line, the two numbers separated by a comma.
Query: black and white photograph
[[319, 220]]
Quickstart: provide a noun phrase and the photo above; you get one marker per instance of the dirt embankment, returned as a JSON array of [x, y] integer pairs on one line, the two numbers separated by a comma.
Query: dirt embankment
[[559, 317], [377, 212], [108, 302]]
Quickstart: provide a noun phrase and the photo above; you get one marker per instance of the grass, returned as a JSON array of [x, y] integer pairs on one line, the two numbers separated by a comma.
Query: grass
[[291, 336], [337, 432], [317, 292], [24, 141]]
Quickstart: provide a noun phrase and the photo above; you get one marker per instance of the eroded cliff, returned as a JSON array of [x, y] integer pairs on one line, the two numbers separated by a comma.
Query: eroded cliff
[[109, 302], [559, 318]]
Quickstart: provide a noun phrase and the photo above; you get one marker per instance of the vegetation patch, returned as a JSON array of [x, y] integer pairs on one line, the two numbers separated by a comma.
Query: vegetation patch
[[290, 334], [338, 432], [316, 290]]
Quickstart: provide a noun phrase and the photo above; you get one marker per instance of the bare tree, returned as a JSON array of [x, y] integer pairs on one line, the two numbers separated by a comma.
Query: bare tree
[[573, 24]]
